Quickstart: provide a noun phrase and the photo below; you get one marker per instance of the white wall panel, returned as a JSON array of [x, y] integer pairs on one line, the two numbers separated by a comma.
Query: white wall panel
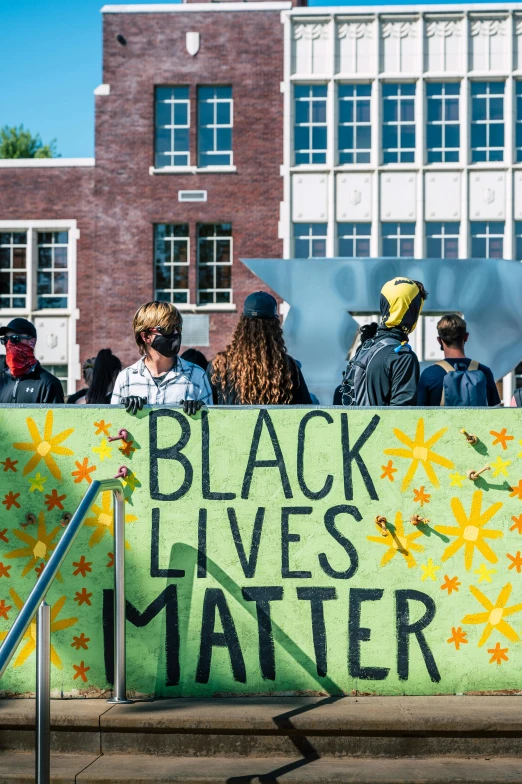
[[487, 195], [355, 47], [518, 195], [311, 48], [400, 46], [354, 197], [310, 197], [398, 196], [444, 42], [489, 45], [442, 197]]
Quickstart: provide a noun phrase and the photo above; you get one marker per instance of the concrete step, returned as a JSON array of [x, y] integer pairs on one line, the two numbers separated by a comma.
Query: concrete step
[[143, 769], [366, 727], [18, 768]]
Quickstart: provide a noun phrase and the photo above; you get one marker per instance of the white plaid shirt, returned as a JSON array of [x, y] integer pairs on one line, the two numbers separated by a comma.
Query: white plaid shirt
[[184, 381]]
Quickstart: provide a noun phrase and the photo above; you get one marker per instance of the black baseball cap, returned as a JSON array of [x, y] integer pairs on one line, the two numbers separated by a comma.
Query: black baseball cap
[[21, 326], [260, 305]]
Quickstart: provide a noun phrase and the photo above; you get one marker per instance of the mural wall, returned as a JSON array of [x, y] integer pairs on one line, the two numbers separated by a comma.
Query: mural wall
[[254, 560]]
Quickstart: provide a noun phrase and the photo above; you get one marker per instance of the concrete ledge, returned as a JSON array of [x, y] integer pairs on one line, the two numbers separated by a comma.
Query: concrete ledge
[[77, 714], [19, 768]]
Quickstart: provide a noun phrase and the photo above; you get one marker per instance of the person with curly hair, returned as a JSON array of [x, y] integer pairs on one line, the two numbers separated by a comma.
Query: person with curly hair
[[255, 368]]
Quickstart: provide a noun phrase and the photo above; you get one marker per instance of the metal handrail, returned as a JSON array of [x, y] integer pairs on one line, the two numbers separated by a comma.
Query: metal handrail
[[35, 603]]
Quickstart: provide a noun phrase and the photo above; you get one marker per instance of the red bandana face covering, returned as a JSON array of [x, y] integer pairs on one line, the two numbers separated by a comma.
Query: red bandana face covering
[[20, 358]]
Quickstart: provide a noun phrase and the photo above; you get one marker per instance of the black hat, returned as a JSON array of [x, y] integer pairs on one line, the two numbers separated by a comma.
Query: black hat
[[21, 326], [260, 305]]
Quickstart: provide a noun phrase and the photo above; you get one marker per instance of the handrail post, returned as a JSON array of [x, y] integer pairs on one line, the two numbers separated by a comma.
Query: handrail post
[[43, 695], [120, 665]]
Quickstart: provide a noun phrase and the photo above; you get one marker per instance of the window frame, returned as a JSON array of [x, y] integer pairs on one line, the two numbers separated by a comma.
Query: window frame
[[310, 124], [398, 237], [173, 127], [310, 237], [399, 123], [355, 100], [442, 237], [173, 264], [12, 269], [51, 270], [353, 237], [215, 126], [487, 236], [487, 122], [214, 265], [443, 150]]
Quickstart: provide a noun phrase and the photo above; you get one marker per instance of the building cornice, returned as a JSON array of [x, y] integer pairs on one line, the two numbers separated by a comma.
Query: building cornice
[[43, 163], [167, 8], [490, 8]]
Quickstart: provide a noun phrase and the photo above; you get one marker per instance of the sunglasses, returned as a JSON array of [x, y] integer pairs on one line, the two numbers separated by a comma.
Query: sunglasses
[[4, 339]]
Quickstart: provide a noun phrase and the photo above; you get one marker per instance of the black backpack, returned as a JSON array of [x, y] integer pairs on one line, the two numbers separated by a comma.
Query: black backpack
[[353, 387]]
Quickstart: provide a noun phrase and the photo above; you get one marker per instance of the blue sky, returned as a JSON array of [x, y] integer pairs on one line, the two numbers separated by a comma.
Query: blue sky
[[51, 50]]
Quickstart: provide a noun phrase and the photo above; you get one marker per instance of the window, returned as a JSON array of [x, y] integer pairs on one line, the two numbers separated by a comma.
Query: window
[[60, 371], [487, 239], [442, 240], [353, 240], [518, 240], [518, 115], [214, 263], [310, 240], [443, 131], [310, 123], [13, 269], [355, 130], [487, 121], [172, 127], [171, 262], [398, 132], [52, 283], [215, 123], [398, 239]]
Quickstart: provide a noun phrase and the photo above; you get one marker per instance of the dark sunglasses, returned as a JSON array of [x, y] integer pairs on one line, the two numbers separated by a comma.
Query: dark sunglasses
[[4, 339]]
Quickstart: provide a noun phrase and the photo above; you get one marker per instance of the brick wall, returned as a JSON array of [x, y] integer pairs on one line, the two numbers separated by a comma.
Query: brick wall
[[243, 49]]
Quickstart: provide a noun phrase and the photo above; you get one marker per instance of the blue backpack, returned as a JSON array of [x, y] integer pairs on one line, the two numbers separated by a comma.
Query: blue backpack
[[466, 387]]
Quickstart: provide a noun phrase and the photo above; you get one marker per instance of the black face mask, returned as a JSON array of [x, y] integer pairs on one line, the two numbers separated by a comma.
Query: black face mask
[[167, 345]]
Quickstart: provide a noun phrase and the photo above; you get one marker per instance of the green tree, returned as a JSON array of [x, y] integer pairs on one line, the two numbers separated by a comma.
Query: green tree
[[19, 143]]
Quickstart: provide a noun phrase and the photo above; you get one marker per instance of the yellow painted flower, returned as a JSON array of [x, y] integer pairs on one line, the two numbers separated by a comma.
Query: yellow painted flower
[[37, 482], [419, 451], [484, 573], [38, 548], [429, 570], [103, 450], [499, 466], [103, 520], [398, 542], [457, 480], [30, 635], [44, 448], [470, 532], [494, 615]]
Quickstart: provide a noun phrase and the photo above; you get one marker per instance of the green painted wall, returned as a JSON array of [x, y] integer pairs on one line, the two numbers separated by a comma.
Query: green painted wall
[[293, 576]]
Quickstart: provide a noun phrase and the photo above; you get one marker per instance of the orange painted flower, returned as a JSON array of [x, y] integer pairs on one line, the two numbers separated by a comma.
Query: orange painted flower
[[517, 524], [82, 567], [4, 570], [458, 637], [44, 448], [80, 642], [450, 584], [127, 448], [3, 536], [10, 500], [83, 597], [102, 427], [54, 500], [9, 465], [420, 497], [499, 654], [516, 561], [81, 669], [39, 569], [4, 609], [111, 560], [501, 438], [516, 492], [84, 471]]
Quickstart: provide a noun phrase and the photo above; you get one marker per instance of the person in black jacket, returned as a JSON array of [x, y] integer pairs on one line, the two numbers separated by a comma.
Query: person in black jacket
[[255, 368], [24, 380]]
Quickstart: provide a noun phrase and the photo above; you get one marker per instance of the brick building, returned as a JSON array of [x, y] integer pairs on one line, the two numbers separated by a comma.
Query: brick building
[[254, 130]]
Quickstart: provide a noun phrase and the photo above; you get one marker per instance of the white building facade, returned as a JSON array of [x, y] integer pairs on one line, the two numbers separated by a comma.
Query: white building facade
[[403, 134]]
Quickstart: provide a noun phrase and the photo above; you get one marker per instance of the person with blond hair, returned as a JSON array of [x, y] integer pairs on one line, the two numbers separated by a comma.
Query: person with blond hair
[[255, 368], [160, 376]]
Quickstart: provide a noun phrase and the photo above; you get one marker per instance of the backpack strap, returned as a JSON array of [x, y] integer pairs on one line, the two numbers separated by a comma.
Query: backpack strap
[[445, 366], [473, 365]]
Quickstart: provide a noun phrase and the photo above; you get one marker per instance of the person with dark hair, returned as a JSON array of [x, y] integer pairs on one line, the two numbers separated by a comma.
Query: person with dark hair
[[24, 380], [385, 370], [106, 369], [255, 368], [457, 380], [196, 357], [87, 370]]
